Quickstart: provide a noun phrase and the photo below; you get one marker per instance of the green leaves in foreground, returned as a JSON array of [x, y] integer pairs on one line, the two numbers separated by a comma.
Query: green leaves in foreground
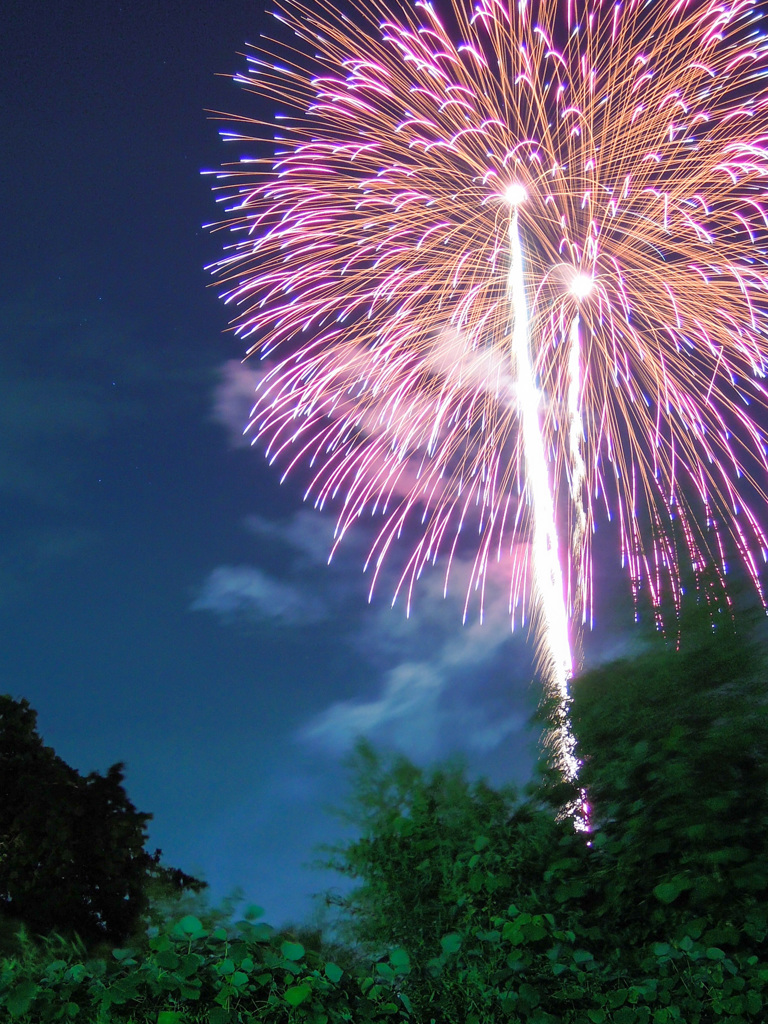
[[292, 950], [186, 971]]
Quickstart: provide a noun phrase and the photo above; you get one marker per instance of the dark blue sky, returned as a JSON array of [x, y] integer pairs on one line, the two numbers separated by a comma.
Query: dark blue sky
[[164, 601]]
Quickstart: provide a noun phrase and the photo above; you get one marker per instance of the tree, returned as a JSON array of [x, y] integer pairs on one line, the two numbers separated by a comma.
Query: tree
[[674, 745], [72, 855], [501, 906], [438, 858]]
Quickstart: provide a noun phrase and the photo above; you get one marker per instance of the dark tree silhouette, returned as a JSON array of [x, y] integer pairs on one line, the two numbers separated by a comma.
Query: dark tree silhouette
[[72, 857]]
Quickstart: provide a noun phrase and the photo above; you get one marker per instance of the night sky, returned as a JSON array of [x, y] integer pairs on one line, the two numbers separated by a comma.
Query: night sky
[[165, 601]]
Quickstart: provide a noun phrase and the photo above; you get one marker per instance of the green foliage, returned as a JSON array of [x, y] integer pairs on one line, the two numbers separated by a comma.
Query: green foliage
[[190, 973], [477, 906], [659, 914], [674, 746], [433, 846], [72, 856]]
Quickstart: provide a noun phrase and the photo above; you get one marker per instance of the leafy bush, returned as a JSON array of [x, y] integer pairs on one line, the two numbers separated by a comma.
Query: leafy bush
[[658, 914], [190, 973]]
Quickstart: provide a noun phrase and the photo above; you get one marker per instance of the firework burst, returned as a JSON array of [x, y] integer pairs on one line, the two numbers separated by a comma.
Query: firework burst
[[369, 265]]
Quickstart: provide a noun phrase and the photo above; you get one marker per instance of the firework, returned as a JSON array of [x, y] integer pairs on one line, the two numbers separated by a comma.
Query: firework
[[625, 146]]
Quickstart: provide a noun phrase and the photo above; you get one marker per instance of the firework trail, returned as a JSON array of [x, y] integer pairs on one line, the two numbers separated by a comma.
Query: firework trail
[[555, 654], [429, 337]]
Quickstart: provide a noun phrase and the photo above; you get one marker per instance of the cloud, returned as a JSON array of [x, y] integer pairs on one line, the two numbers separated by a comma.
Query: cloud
[[421, 709], [309, 592], [386, 437], [247, 591], [440, 688], [408, 700], [440, 684], [428, 664], [234, 397], [308, 535]]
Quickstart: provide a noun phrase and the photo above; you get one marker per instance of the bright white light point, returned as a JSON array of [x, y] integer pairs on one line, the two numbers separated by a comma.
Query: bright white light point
[[582, 285], [515, 194]]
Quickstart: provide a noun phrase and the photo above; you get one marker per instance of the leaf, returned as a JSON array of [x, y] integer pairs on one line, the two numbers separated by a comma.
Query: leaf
[[754, 1002], [617, 998], [292, 950], [20, 998], [252, 911], [626, 1015], [170, 1016], [476, 880], [191, 989], [218, 1015], [400, 960], [715, 953], [667, 892], [528, 996], [75, 973], [596, 1016], [632, 1015], [189, 926], [451, 943], [297, 994], [581, 956], [481, 842], [124, 989], [333, 972], [226, 967]]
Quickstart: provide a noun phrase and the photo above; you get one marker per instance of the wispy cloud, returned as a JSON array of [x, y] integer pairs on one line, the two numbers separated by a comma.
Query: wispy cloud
[[439, 683], [421, 709], [438, 694], [232, 591], [234, 397], [302, 592], [307, 535]]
